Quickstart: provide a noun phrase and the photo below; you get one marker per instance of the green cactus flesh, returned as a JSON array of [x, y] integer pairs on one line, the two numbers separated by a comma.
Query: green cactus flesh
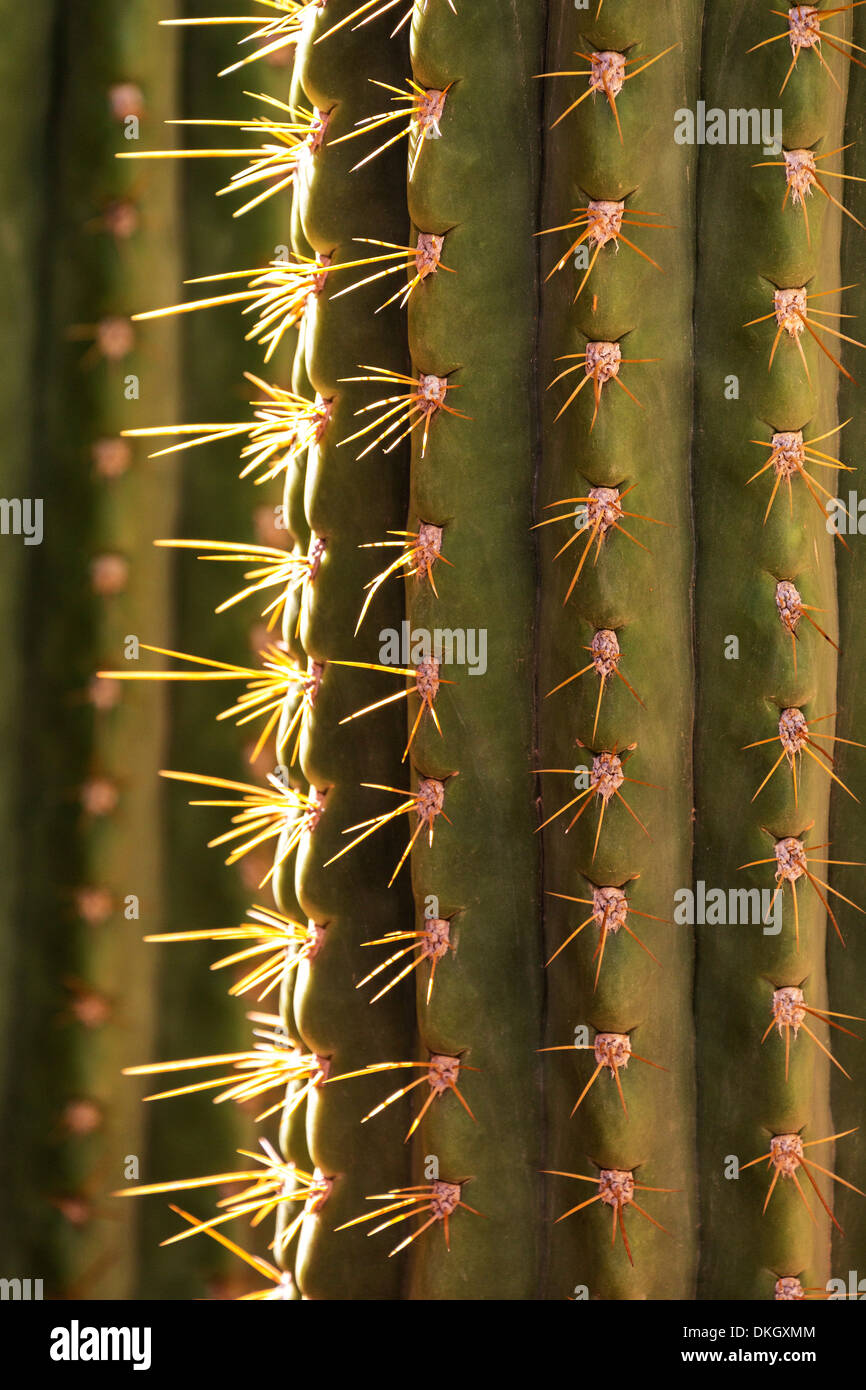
[[629, 850], [560, 747], [745, 560]]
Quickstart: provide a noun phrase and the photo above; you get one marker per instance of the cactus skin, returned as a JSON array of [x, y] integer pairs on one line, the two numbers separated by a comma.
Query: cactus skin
[[747, 240], [475, 478], [28, 1236], [478, 332], [348, 503], [847, 970], [644, 597]]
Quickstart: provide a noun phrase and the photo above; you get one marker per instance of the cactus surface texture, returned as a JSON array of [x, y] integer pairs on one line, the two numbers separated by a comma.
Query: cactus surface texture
[[538, 334]]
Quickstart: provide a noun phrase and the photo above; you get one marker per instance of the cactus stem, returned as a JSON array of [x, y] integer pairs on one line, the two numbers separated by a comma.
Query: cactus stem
[[419, 552], [427, 803], [440, 1198], [616, 1188], [441, 1072], [610, 911], [789, 1010], [433, 942], [426, 399], [786, 1155]]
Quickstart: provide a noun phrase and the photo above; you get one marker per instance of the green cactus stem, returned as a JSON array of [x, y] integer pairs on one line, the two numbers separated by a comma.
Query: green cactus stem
[[557, 756], [472, 328], [620, 984], [761, 573], [28, 1236], [347, 504]]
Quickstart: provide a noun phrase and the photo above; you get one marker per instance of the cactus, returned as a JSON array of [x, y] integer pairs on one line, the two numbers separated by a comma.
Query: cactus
[[90, 851], [521, 410], [629, 608], [91, 239], [766, 563], [25, 67]]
